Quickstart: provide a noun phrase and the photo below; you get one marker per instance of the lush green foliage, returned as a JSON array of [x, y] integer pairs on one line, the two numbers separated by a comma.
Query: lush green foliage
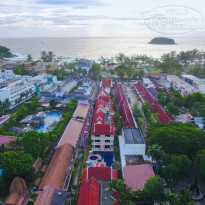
[[61, 74], [174, 146], [47, 56], [200, 162], [5, 52], [95, 71], [35, 143], [73, 89], [16, 163], [23, 70], [173, 109]]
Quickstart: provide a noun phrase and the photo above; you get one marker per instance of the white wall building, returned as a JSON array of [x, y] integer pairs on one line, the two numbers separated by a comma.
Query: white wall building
[[183, 87], [147, 82], [7, 74], [17, 91], [131, 143]]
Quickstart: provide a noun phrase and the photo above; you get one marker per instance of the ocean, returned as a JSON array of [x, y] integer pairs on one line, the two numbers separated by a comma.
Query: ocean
[[94, 48]]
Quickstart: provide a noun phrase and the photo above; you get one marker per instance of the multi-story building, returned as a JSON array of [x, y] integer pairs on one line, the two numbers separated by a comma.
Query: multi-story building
[[17, 91], [103, 130], [7, 74]]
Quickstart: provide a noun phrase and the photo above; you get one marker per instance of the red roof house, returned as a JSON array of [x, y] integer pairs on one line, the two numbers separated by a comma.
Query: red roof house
[[90, 187]]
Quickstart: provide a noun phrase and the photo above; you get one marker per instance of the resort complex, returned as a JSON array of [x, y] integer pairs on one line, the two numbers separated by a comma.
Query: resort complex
[[93, 140]]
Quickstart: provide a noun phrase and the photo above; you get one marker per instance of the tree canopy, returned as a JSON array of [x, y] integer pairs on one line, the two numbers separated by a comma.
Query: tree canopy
[[16, 163]]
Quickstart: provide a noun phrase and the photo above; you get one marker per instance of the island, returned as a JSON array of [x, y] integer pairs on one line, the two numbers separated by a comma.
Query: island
[[162, 41], [5, 52]]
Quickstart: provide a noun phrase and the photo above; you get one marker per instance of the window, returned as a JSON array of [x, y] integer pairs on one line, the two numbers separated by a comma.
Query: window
[[107, 140], [97, 140]]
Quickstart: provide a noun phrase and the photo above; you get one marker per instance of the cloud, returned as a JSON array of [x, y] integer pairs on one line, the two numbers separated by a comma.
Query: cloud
[[80, 4]]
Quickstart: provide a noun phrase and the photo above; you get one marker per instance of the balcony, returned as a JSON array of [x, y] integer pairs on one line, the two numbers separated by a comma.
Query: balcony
[[102, 138], [103, 143]]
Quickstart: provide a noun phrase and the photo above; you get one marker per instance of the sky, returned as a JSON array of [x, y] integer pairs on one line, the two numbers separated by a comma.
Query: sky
[[90, 18]]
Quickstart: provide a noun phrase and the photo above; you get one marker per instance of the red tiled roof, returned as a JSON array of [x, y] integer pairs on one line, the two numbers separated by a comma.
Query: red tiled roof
[[98, 126], [163, 117], [123, 106], [106, 83], [102, 94], [89, 192], [136, 176], [100, 173], [156, 107]]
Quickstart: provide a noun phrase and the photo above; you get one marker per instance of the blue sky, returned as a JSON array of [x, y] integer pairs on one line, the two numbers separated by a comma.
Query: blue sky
[[83, 18]]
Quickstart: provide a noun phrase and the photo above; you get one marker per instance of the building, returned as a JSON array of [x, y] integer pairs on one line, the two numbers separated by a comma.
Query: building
[[131, 144], [17, 192], [106, 84], [7, 74], [196, 82], [123, 106], [145, 95], [103, 131], [148, 83], [94, 185], [17, 91], [180, 85], [57, 174]]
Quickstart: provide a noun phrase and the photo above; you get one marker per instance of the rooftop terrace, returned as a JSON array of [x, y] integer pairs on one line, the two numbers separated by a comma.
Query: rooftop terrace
[[133, 136]]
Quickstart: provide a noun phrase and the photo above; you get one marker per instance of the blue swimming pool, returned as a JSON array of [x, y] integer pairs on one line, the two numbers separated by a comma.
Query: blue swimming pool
[[51, 118], [107, 156]]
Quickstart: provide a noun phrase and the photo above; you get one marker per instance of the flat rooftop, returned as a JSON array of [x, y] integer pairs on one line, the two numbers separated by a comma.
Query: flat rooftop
[[133, 136]]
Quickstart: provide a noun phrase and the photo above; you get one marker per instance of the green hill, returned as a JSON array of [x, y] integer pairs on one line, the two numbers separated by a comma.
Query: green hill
[[5, 52]]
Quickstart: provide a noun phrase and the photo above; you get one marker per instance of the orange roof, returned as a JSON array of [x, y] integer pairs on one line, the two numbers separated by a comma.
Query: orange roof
[[17, 189], [81, 110], [71, 133], [12, 199], [57, 169], [46, 196], [18, 184]]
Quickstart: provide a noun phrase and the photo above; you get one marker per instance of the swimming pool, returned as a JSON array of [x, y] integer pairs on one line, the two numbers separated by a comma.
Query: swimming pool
[[51, 117], [107, 156]]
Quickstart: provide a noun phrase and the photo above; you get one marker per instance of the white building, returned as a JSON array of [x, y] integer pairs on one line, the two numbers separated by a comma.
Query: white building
[[131, 144], [147, 82], [198, 83], [183, 87], [17, 91], [7, 74]]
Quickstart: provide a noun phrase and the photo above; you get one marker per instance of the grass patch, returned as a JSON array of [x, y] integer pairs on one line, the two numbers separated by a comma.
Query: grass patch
[[155, 70]]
